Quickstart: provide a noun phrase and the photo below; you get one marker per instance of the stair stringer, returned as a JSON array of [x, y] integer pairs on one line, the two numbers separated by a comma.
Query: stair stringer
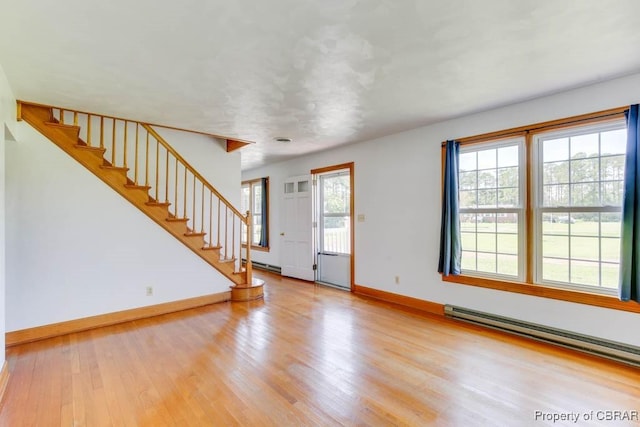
[[66, 137]]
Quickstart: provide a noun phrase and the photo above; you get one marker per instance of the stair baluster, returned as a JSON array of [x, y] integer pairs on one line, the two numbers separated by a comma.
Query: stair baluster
[[217, 242]]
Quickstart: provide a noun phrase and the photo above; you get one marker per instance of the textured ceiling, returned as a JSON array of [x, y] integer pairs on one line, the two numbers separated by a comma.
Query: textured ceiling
[[320, 72]]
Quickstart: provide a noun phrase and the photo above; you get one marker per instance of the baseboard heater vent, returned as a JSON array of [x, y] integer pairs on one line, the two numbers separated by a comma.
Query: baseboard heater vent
[[268, 267], [604, 348]]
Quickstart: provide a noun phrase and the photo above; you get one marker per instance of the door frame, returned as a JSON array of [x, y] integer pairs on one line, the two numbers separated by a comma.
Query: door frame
[[350, 167]]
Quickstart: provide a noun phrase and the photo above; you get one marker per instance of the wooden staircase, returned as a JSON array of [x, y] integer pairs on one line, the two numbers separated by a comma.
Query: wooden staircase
[[140, 165]]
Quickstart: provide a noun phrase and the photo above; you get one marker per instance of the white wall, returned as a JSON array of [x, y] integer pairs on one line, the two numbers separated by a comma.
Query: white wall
[[397, 188], [208, 156], [7, 128], [77, 248]]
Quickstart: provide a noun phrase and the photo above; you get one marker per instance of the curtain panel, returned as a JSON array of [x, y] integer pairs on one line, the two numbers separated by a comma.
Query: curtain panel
[[629, 287], [264, 206], [450, 239]]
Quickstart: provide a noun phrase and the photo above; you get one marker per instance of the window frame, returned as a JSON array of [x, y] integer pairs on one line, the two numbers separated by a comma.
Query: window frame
[[322, 215], [520, 210], [251, 184], [539, 209], [528, 285]]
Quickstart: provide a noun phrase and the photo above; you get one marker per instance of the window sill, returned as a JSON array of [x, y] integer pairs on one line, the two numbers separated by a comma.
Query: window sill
[[257, 248], [547, 292]]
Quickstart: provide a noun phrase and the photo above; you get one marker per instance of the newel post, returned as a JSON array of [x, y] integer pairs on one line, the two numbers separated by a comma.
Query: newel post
[[249, 266], [248, 291]]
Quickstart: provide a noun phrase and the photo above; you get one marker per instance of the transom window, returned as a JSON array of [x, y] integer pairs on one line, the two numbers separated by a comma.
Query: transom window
[[568, 204]]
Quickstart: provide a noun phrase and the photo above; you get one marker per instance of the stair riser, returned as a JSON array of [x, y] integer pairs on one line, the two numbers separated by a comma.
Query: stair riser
[[98, 154], [72, 132]]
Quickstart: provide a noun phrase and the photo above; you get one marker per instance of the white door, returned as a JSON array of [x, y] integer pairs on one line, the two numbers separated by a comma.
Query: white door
[[297, 253]]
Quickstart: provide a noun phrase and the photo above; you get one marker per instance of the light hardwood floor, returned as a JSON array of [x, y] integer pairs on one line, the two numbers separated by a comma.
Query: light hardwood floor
[[306, 355]]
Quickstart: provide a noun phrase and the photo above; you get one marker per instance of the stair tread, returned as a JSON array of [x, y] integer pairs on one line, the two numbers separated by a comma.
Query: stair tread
[[193, 234], [142, 187], [158, 203], [61, 125], [90, 148], [226, 260], [173, 219], [121, 168], [211, 248]]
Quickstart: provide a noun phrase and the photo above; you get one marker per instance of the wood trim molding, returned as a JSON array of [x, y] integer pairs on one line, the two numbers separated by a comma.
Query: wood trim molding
[[251, 181], [266, 191], [578, 297], [352, 220], [233, 145], [4, 379], [77, 325], [333, 168], [352, 206], [415, 303], [529, 218], [581, 120]]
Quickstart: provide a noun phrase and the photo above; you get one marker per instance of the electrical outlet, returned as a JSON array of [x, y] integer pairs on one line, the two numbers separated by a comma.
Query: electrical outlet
[[397, 280], [149, 291]]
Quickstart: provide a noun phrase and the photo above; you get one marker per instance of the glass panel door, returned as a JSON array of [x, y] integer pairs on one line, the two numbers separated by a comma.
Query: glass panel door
[[334, 229]]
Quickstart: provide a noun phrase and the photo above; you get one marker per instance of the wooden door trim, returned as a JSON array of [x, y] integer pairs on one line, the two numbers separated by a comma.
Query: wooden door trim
[[352, 256]]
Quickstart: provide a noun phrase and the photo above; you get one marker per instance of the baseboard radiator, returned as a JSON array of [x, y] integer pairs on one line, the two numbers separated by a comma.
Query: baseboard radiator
[[600, 347], [267, 267]]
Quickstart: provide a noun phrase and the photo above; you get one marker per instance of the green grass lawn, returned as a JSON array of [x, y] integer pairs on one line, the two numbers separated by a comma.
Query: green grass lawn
[[588, 243]]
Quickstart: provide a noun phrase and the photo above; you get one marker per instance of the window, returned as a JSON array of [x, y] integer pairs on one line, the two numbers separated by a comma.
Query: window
[[335, 216], [492, 208], [579, 202], [255, 200], [543, 208]]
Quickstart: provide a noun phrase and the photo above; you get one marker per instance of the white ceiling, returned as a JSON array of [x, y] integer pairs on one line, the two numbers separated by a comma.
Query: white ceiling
[[323, 73]]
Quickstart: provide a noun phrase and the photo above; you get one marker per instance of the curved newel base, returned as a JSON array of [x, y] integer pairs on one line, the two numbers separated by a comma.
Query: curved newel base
[[248, 293]]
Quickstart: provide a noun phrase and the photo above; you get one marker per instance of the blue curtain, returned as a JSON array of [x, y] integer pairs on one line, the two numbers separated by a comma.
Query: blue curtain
[[629, 288], [264, 233], [450, 240]]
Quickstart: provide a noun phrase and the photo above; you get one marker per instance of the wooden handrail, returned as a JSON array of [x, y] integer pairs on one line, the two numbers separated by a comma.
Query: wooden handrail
[[19, 102], [155, 134], [148, 127], [191, 169]]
